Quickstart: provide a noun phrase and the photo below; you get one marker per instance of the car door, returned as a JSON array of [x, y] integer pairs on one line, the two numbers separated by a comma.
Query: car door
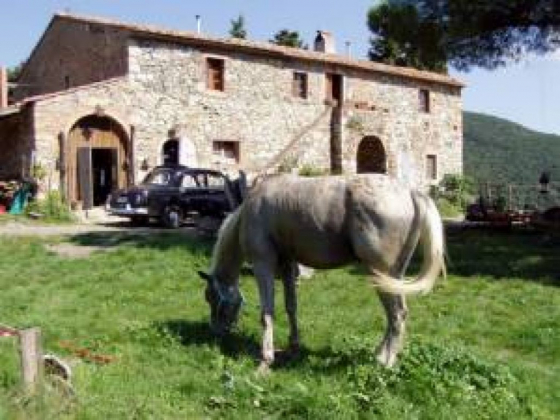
[[218, 200], [163, 189], [190, 192]]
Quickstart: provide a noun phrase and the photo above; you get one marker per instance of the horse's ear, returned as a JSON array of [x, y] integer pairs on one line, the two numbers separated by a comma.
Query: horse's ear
[[204, 276]]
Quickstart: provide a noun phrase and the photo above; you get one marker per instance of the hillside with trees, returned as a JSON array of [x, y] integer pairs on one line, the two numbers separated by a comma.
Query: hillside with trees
[[500, 151]]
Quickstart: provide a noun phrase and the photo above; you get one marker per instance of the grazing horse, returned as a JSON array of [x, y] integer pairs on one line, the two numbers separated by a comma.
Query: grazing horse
[[325, 222]]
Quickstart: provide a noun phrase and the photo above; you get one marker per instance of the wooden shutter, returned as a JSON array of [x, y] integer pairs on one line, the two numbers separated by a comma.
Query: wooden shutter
[[62, 165], [85, 177], [215, 70], [329, 87]]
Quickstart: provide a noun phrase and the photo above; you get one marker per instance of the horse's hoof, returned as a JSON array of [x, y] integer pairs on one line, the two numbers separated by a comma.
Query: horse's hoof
[[263, 369], [386, 359]]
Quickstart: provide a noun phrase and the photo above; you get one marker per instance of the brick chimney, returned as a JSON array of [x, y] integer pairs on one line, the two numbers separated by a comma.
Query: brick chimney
[[324, 42], [3, 87]]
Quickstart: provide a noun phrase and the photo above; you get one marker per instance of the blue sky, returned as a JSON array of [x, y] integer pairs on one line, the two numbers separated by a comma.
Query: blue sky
[[527, 93]]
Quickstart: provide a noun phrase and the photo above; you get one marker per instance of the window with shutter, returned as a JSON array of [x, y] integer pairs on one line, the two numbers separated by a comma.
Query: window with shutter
[[431, 167], [424, 100], [299, 85], [215, 73]]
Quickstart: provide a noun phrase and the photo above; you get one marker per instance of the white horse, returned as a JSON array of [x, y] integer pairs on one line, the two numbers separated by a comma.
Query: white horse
[[325, 222]]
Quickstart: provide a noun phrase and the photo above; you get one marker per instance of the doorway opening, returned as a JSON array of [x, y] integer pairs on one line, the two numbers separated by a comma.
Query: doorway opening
[[98, 163], [371, 156], [104, 171], [334, 88]]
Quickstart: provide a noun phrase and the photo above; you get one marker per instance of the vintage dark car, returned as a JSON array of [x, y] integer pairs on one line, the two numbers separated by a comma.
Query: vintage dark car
[[171, 193]]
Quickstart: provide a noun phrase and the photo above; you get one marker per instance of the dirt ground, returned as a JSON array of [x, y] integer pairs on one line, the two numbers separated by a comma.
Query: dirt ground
[[111, 230], [120, 226]]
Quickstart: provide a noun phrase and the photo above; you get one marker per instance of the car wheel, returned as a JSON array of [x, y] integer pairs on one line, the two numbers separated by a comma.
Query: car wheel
[[172, 216]]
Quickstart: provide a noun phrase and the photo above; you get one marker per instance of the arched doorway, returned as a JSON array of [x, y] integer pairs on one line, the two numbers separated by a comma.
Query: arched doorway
[[371, 157], [97, 160]]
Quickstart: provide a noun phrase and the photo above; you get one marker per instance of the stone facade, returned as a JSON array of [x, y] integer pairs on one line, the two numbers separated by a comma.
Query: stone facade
[[73, 53], [153, 83]]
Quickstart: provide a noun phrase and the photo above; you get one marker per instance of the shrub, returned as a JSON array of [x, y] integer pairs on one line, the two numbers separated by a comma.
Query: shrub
[[309, 170], [53, 207], [453, 194], [448, 209]]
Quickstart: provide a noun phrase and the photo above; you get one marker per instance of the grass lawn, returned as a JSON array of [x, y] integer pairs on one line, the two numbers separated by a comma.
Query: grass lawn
[[485, 344]]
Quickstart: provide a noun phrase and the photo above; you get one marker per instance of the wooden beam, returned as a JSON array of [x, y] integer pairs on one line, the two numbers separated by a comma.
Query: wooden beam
[[31, 358]]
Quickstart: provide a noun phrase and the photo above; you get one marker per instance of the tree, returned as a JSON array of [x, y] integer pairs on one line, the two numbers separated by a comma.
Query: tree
[[14, 72], [288, 38], [463, 33], [237, 29], [403, 38]]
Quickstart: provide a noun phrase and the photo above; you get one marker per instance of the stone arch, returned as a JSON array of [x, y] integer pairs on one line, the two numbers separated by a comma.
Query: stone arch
[[98, 159], [371, 156]]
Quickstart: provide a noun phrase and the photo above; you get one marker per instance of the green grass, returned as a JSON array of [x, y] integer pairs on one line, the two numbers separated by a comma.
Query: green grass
[[485, 344]]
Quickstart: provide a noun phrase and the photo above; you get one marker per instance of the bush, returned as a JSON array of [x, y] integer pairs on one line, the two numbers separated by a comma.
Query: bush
[[53, 207], [453, 193], [309, 170], [448, 209]]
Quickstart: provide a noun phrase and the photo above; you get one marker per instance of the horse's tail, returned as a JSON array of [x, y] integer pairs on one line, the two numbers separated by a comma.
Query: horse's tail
[[430, 232]]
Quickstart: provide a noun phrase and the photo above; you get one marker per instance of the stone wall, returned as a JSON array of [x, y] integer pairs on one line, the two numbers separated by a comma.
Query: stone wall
[[165, 92], [16, 144], [388, 108], [258, 110], [73, 54], [58, 113]]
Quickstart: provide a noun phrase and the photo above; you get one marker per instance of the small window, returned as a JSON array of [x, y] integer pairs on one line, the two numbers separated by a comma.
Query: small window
[[226, 151], [67, 83], [215, 181], [299, 85], [431, 167], [424, 100], [215, 73]]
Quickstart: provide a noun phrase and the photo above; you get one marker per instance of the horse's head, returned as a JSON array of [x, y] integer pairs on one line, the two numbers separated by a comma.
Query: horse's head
[[225, 303]]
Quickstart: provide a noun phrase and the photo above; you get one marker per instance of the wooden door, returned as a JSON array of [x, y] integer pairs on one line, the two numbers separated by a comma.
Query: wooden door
[[95, 132], [85, 183]]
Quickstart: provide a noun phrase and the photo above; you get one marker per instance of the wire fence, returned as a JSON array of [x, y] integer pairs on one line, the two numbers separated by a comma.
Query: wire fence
[[518, 197]]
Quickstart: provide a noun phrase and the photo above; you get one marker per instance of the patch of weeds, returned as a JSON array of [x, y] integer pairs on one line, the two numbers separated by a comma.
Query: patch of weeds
[[52, 208], [436, 377], [312, 171]]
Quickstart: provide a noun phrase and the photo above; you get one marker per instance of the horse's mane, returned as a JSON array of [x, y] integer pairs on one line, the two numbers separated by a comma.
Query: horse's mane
[[227, 245]]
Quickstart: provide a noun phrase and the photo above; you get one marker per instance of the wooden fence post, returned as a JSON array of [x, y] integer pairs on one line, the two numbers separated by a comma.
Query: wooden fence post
[[31, 357]]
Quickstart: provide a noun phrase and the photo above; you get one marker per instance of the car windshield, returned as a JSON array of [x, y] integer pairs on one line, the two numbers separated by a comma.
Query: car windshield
[[160, 176]]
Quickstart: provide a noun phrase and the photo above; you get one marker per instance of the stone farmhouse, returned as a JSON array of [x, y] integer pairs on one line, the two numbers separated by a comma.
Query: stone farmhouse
[[99, 103]]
